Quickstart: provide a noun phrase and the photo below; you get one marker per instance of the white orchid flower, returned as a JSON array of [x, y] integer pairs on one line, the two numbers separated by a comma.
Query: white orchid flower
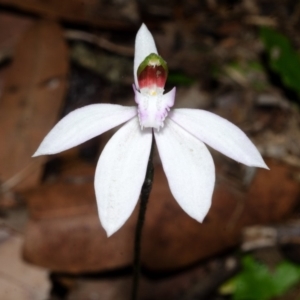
[[180, 137]]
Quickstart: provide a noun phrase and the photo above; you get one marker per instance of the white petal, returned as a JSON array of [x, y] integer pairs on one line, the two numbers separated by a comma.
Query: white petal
[[144, 45], [220, 134], [83, 124], [169, 98], [120, 174], [189, 169]]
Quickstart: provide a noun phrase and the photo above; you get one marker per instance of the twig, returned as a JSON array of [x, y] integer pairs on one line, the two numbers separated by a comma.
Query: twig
[[98, 41], [261, 21], [7, 53], [256, 237], [19, 176]]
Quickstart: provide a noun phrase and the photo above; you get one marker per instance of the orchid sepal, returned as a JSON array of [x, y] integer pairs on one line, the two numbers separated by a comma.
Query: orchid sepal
[[219, 134], [82, 124]]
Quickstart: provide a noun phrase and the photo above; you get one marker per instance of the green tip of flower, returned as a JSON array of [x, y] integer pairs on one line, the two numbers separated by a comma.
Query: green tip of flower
[[152, 60]]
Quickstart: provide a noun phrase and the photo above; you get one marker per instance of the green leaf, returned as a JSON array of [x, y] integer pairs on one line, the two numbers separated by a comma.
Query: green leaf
[[256, 281], [285, 276], [282, 58]]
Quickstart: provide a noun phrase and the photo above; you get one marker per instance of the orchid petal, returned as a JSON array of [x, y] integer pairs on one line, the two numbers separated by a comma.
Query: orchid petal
[[152, 110], [120, 174], [220, 134], [189, 169], [169, 98], [83, 124], [144, 45]]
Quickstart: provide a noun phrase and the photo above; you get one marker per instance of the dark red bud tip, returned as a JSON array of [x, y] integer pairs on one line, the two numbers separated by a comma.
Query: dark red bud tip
[[152, 76], [152, 72]]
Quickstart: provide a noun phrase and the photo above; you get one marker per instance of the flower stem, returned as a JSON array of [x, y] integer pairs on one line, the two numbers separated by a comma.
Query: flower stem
[[145, 193]]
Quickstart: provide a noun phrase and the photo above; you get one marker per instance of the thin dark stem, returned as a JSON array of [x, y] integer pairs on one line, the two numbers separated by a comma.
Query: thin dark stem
[[145, 193]]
